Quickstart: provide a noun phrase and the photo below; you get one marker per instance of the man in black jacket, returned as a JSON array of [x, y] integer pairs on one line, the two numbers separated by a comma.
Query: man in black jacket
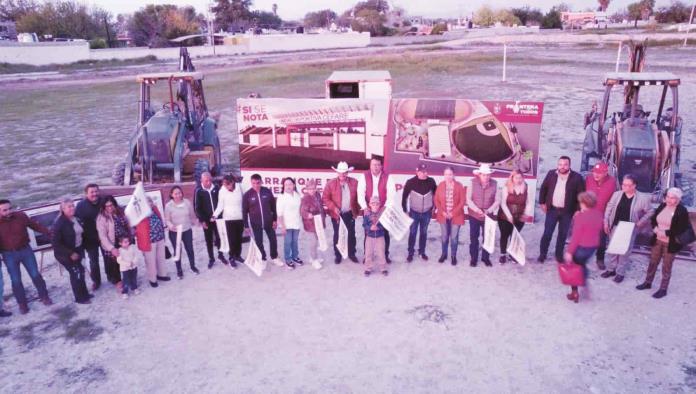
[[558, 198], [259, 214], [204, 203], [87, 211], [418, 196]]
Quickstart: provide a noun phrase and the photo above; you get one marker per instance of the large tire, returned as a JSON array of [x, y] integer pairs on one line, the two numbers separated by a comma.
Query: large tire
[[118, 174], [200, 167]]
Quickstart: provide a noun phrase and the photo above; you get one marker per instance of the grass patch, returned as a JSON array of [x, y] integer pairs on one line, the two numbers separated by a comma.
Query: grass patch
[[8, 68], [667, 43]]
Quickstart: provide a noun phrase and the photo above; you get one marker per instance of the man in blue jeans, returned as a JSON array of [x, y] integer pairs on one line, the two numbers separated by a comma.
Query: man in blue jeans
[[482, 199], [3, 312], [417, 200], [15, 249]]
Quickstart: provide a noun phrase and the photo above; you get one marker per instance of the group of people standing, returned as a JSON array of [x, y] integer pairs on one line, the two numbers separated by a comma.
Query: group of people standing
[[97, 225], [594, 207]]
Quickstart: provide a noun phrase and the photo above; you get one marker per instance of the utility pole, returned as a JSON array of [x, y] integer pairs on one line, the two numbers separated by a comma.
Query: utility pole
[[211, 26]]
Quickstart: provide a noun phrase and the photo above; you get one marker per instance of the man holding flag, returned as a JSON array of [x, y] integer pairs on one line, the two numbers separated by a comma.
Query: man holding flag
[[341, 200]]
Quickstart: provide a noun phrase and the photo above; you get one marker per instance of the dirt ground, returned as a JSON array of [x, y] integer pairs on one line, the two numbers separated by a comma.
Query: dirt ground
[[425, 328]]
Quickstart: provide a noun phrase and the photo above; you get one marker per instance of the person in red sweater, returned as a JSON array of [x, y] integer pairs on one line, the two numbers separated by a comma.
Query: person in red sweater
[[603, 186], [587, 226]]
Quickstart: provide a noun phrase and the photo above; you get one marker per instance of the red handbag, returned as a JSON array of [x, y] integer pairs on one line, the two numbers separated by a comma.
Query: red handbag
[[571, 274]]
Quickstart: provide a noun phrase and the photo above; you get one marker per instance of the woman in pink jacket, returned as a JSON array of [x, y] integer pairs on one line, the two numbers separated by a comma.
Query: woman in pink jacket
[[587, 227]]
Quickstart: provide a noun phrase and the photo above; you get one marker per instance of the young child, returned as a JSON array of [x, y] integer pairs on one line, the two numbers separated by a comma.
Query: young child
[[374, 238], [128, 256], [310, 206]]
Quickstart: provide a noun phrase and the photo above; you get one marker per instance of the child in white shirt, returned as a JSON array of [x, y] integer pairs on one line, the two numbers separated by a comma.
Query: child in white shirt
[[128, 256]]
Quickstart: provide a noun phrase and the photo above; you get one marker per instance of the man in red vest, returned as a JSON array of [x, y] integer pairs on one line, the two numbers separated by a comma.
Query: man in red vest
[[374, 182]]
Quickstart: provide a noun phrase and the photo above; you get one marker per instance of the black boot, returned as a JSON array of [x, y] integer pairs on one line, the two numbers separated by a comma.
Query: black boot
[[442, 258], [454, 260]]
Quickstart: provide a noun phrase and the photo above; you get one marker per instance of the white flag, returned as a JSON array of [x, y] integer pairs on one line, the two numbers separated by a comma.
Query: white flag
[[395, 221], [177, 248], [489, 229], [342, 244], [254, 260], [518, 247], [621, 238], [137, 208], [321, 234], [222, 232]]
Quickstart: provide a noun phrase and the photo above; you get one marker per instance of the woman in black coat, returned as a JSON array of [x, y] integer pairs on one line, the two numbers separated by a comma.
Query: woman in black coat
[[670, 221], [67, 249]]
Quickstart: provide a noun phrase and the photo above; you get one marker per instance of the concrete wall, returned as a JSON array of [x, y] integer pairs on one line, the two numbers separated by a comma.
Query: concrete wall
[[298, 42], [39, 54]]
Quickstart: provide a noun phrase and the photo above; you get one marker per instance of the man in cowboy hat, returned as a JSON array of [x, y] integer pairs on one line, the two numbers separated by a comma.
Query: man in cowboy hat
[[341, 200], [558, 198], [419, 194], [483, 199], [603, 186]]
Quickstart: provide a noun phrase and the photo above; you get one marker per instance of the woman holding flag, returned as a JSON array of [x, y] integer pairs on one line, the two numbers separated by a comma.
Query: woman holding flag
[[179, 213], [149, 232]]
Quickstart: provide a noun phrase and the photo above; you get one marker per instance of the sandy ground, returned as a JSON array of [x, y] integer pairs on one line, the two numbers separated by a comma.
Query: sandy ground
[[500, 329], [426, 328]]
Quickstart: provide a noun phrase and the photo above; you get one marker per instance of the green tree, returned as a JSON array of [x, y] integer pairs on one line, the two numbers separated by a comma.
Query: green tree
[[321, 18], [677, 12], [266, 20], [506, 17], [552, 19], [13, 10], [369, 20], [484, 16], [232, 14], [66, 19], [528, 16], [640, 10], [439, 28], [380, 6], [603, 5], [154, 25]]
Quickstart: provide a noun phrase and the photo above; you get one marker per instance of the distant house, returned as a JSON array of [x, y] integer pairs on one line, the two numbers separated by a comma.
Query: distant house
[[8, 30]]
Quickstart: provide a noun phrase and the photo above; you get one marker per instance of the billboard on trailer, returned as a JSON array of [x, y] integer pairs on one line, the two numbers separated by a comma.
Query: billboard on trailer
[[304, 138]]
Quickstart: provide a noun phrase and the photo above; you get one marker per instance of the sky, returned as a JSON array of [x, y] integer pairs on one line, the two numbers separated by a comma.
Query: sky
[[296, 9]]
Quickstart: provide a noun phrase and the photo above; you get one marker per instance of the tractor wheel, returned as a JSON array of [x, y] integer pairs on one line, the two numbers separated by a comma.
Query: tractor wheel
[[118, 174], [199, 168]]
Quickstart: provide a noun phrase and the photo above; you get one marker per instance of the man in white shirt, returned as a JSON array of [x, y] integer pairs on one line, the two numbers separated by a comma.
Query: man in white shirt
[[558, 198]]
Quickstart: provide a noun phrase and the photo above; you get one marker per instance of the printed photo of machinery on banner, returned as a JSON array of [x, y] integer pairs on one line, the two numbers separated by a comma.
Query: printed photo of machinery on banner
[[304, 138]]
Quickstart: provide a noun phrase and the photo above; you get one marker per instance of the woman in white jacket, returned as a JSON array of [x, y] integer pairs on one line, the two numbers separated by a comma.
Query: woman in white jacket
[[230, 207], [289, 221]]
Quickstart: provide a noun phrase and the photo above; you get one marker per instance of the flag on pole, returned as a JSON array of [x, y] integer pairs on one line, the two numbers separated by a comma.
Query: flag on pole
[[254, 260], [222, 232], [342, 244], [396, 221], [321, 234], [489, 229], [137, 208], [517, 248]]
